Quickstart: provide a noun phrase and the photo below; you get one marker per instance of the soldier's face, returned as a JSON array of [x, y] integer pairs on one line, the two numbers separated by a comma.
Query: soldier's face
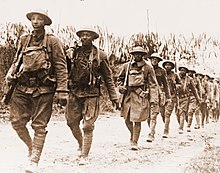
[[182, 72], [200, 77], [154, 61], [190, 74], [138, 56], [86, 38], [37, 21], [168, 66]]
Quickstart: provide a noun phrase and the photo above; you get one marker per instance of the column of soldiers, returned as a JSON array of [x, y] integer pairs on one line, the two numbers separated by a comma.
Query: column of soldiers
[[41, 73], [188, 93]]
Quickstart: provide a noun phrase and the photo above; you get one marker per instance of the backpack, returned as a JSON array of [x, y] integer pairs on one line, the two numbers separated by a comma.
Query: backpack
[[85, 72]]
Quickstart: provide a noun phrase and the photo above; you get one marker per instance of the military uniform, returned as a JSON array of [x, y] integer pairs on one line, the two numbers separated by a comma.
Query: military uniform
[[193, 102], [164, 94], [141, 92], [43, 71], [174, 82], [209, 98], [184, 96], [205, 92], [89, 66], [215, 100]]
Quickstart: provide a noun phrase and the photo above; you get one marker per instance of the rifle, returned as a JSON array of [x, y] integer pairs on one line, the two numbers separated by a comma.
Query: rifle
[[125, 81], [11, 87], [7, 96]]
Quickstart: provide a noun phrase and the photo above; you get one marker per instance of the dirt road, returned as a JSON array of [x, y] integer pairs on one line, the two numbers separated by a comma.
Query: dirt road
[[110, 150]]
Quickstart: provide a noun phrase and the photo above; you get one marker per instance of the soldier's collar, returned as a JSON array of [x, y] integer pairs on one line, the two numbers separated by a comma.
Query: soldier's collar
[[38, 34]]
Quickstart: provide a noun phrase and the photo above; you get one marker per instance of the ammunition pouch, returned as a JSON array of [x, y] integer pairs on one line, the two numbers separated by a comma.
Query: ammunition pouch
[[80, 84], [45, 78], [37, 78], [142, 93]]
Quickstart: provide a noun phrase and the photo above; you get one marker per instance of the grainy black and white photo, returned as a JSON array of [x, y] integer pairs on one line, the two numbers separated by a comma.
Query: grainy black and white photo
[[100, 86]]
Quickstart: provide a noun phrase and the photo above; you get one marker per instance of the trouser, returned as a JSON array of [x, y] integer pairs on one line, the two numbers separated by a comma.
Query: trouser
[[24, 108], [168, 111], [152, 118], [183, 107], [86, 109], [162, 112], [197, 116], [193, 106], [215, 112], [134, 129], [204, 112]]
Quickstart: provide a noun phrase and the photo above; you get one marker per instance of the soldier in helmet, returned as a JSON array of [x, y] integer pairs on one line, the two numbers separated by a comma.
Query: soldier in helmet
[[89, 66], [184, 91], [137, 83], [208, 79], [40, 70], [174, 82], [214, 100], [193, 104], [205, 95], [164, 96]]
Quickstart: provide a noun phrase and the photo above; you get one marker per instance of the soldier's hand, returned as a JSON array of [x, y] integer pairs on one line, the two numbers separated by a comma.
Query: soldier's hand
[[122, 89], [115, 103], [61, 98], [9, 78]]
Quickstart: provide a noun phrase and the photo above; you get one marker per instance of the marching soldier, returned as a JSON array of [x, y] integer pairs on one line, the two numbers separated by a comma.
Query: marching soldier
[[43, 70], [137, 83], [193, 104], [205, 92], [164, 94], [89, 66], [174, 82], [209, 98], [184, 95], [215, 99]]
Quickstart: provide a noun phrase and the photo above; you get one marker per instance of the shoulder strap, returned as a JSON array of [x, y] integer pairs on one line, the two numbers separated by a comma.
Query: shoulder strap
[[45, 41], [27, 41]]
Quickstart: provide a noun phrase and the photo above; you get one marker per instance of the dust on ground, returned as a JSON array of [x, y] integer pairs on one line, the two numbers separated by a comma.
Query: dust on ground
[[110, 150]]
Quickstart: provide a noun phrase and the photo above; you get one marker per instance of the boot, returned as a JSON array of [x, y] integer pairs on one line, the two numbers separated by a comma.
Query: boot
[[37, 147], [77, 133], [31, 168], [136, 134], [129, 125], [190, 118], [152, 130], [87, 142], [26, 138]]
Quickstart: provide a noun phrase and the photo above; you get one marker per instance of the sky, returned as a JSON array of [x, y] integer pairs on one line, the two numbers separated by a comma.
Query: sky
[[123, 17]]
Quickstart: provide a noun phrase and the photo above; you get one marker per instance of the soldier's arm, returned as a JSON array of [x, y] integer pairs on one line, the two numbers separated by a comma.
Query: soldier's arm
[[107, 76], [153, 85], [122, 73], [193, 88], [208, 92], [59, 62], [165, 84]]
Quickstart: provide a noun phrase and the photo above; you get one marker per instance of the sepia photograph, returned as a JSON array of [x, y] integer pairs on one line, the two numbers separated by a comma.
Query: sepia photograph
[[102, 86]]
